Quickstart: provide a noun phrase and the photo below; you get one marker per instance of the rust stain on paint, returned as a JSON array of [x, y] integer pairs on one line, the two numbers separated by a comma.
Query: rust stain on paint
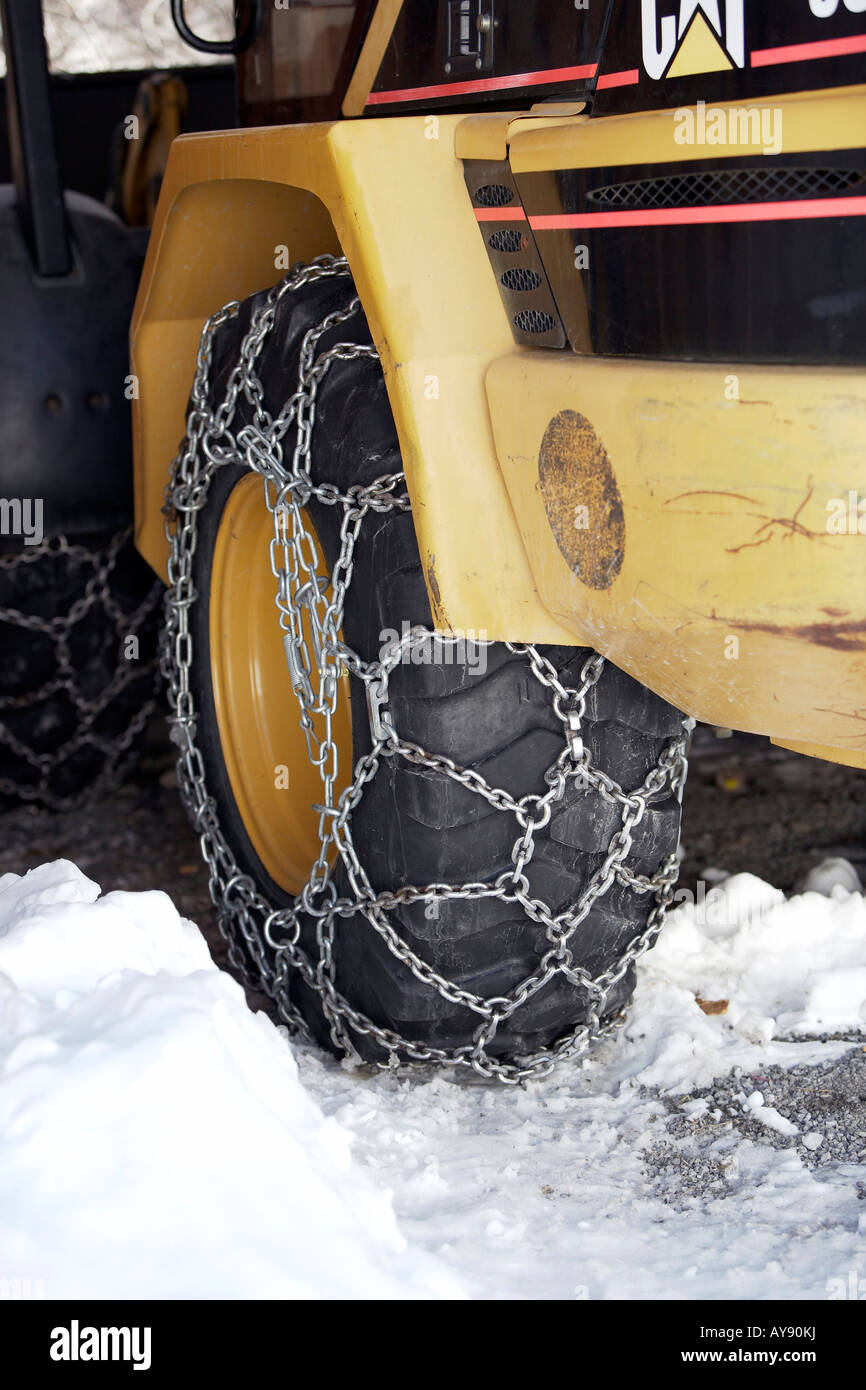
[[433, 585], [581, 499], [840, 637]]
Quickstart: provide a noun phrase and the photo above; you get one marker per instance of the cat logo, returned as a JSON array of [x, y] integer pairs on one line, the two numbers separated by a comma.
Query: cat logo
[[697, 39]]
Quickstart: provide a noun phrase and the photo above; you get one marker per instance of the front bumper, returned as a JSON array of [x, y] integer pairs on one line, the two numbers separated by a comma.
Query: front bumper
[[704, 527]]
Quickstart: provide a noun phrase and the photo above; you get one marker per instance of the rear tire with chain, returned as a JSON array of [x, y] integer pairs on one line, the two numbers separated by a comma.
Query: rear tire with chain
[[78, 666], [489, 713]]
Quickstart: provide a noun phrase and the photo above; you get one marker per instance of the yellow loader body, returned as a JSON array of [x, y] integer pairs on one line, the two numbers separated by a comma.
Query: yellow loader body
[[709, 571]]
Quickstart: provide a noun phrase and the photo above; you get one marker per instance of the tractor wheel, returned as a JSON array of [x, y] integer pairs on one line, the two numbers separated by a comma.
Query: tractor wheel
[[78, 667], [414, 824]]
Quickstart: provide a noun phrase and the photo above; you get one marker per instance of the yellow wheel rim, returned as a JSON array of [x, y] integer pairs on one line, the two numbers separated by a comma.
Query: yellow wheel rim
[[272, 779]]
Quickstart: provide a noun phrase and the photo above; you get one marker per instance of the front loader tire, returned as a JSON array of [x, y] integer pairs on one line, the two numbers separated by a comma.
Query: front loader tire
[[488, 713]]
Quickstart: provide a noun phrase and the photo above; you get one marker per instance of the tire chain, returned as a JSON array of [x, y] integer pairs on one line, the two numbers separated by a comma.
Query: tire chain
[[114, 749], [254, 929]]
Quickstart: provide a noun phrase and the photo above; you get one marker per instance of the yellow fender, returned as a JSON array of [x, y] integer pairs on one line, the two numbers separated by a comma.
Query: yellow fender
[[501, 445]]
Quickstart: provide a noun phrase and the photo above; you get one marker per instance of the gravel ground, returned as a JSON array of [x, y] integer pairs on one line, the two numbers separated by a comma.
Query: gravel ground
[[818, 1111], [753, 808]]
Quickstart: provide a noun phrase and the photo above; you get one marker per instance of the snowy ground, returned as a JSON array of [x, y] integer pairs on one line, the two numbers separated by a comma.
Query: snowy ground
[[157, 1139]]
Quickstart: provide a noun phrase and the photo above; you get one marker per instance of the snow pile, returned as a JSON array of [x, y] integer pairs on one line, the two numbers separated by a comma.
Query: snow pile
[[833, 873], [155, 1140], [765, 966], [155, 1137], [610, 1179]]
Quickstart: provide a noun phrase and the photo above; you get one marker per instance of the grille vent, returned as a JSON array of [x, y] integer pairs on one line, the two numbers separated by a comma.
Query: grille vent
[[521, 279], [534, 321], [727, 186], [494, 195], [514, 260], [508, 241]]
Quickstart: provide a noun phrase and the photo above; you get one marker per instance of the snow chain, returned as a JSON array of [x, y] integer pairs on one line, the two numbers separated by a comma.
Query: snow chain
[[96, 696], [251, 925]]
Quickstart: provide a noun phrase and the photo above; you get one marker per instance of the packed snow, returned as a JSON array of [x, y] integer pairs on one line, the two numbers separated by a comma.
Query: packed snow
[[157, 1139]]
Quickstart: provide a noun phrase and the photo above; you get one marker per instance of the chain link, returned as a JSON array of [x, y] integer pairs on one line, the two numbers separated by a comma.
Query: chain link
[[58, 563], [265, 943]]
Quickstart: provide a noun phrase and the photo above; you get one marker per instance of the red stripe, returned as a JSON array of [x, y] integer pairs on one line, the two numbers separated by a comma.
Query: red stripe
[[484, 84], [806, 52], [618, 79], [500, 214], [729, 212]]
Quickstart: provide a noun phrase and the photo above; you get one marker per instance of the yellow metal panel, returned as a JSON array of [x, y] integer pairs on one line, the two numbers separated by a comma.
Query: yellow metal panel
[[391, 195], [484, 136], [396, 197], [685, 534], [832, 120], [438, 321], [487, 135], [833, 755], [212, 242], [371, 55]]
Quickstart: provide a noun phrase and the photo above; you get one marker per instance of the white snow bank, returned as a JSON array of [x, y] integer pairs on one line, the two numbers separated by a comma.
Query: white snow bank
[[833, 873], [155, 1140], [782, 968], [575, 1188]]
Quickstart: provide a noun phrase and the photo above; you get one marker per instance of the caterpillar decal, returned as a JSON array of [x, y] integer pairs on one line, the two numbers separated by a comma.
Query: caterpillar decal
[[700, 38], [675, 52]]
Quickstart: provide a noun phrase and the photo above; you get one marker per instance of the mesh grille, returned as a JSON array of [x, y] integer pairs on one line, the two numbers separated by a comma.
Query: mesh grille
[[508, 240], [494, 195], [727, 186], [521, 279], [534, 321]]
